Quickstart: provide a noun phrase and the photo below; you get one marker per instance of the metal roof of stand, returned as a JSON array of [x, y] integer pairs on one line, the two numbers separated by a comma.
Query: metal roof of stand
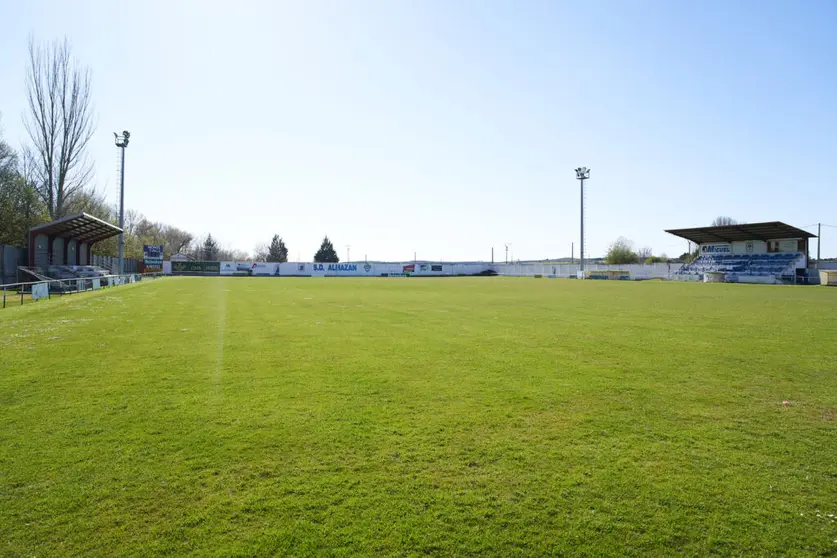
[[746, 231], [81, 227]]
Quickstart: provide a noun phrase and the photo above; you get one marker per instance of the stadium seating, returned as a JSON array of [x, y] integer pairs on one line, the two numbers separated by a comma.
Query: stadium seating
[[734, 265], [72, 272], [60, 272], [89, 271]]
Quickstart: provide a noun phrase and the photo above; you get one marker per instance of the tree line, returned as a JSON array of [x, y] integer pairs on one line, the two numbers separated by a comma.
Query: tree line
[[276, 251]]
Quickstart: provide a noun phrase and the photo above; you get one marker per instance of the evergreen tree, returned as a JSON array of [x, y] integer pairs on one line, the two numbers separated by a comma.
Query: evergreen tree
[[326, 253], [277, 251], [210, 249]]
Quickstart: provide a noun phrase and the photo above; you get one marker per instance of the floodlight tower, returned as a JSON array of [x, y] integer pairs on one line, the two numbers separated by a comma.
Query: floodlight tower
[[582, 174], [122, 143]]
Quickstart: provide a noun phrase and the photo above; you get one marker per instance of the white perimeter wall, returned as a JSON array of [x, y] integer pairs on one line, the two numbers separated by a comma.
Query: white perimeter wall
[[637, 271], [269, 269]]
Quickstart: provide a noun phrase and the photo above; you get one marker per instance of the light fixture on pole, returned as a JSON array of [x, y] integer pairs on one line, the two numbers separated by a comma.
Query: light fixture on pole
[[348, 253], [507, 251], [582, 174], [122, 143]]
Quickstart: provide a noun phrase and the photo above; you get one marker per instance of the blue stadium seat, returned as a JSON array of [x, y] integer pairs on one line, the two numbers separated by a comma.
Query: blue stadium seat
[[776, 264]]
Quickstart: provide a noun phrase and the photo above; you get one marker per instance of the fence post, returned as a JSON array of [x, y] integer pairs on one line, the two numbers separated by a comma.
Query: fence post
[[4, 297]]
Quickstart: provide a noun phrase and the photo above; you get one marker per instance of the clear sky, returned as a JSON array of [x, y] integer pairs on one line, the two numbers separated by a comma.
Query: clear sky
[[448, 127]]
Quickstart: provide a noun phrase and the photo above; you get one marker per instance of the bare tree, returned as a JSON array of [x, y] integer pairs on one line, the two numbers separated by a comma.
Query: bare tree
[[59, 123], [644, 253], [176, 240], [239, 255], [133, 218], [723, 221], [91, 202], [261, 253]]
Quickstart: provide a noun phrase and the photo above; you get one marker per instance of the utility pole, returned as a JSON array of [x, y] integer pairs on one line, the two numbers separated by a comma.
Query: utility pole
[[819, 242], [122, 143], [582, 174], [348, 253], [572, 252], [507, 251], [492, 254]]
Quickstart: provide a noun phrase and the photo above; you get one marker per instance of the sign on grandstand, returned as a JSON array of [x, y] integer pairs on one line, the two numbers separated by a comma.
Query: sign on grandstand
[[715, 249], [153, 255]]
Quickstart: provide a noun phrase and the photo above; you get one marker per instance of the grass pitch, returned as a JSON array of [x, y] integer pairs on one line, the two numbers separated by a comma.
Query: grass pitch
[[250, 416]]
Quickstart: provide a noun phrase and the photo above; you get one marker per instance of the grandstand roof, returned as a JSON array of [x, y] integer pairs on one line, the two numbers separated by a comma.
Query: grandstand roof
[[744, 231], [81, 226]]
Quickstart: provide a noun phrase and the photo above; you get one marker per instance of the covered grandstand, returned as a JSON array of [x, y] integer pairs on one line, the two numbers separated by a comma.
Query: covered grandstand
[[62, 249], [772, 252]]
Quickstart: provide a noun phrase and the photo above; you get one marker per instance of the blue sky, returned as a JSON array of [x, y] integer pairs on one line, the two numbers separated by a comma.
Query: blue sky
[[445, 128]]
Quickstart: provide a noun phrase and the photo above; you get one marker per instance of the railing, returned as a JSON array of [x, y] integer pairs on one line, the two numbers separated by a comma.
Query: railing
[[27, 292]]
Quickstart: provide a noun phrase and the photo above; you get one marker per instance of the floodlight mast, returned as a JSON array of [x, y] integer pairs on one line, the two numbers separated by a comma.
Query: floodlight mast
[[582, 174], [122, 143]]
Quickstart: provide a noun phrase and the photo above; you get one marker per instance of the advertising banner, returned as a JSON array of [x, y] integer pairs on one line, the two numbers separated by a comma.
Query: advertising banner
[[196, 268], [265, 269], [340, 269], [295, 269], [40, 290], [236, 268], [153, 255], [260, 269], [713, 249]]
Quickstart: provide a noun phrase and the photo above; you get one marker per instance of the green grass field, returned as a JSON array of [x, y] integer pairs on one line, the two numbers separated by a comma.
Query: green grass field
[[254, 417]]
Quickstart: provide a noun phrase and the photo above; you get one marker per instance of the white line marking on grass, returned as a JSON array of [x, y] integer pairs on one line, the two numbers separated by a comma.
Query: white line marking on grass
[[222, 323]]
